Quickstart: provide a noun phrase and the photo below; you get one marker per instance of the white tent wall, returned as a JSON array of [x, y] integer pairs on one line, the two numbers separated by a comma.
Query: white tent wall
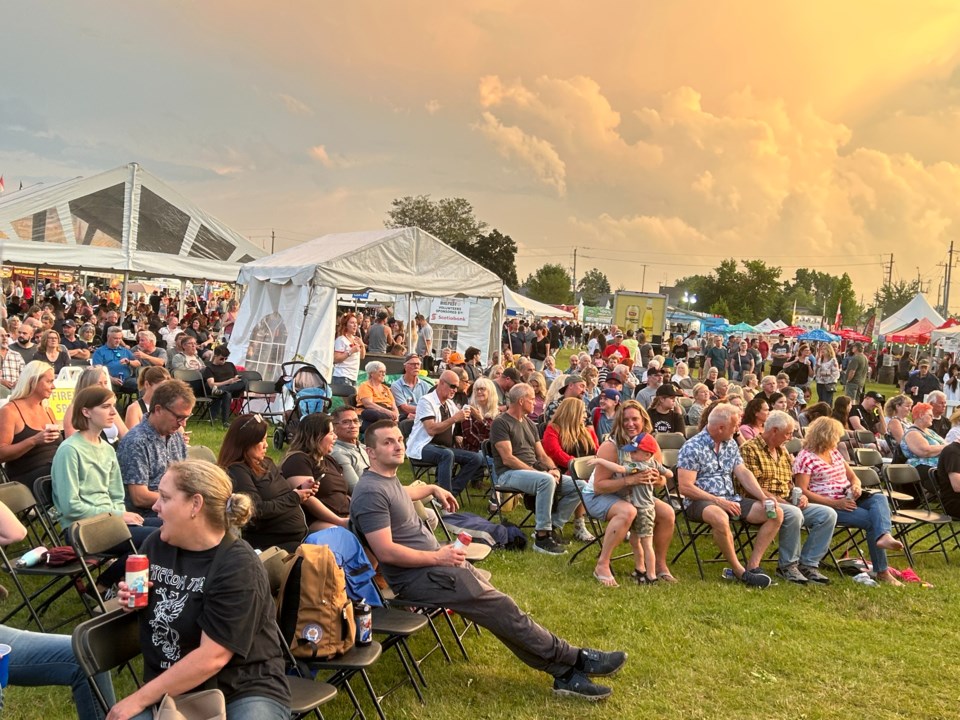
[[477, 333], [914, 310]]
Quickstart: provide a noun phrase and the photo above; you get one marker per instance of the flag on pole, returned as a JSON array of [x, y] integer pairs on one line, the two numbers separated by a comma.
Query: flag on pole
[[1, 183], [793, 315], [839, 319]]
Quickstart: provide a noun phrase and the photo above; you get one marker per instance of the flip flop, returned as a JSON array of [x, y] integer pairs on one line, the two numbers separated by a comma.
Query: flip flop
[[909, 576], [606, 580], [667, 578]]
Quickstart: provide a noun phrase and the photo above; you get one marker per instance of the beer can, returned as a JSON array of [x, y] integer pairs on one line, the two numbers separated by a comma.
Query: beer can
[[771, 507], [795, 496], [138, 574], [363, 616]]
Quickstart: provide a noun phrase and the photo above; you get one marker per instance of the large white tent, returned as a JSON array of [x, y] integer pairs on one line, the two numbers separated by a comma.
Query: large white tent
[[126, 221], [290, 306], [917, 309]]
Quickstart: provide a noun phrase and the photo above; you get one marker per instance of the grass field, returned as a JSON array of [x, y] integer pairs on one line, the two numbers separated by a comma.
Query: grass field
[[698, 649]]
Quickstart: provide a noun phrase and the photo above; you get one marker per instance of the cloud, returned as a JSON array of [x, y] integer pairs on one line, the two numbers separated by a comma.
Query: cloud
[[322, 156], [294, 106], [432, 107], [538, 155]]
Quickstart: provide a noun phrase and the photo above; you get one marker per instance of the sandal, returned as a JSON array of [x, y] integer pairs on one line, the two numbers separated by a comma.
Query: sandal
[[667, 578], [909, 576], [606, 580]]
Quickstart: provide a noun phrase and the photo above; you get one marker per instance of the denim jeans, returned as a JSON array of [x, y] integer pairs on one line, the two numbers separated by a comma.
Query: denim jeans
[[542, 484], [824, 395], [820, 522], [444, 458], [254, 707], [873, 516], [47, 659], [220, 404]]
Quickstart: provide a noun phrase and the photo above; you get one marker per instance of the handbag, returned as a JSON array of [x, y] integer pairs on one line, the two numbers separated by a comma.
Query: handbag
[[203, 705]]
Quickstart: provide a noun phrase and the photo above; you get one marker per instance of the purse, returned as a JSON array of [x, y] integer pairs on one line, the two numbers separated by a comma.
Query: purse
[[203, 705]]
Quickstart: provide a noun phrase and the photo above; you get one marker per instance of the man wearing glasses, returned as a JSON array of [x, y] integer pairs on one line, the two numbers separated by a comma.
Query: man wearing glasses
[[11, 365], [410, 387], [148, 449], [119, 361], [431, 439], [348, 451]]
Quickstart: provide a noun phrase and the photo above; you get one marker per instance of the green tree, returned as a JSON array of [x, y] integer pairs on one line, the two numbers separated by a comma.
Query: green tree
[[592, 285], [453, 221], [893, 296], [719, 307], [849, 307], [550, 284]]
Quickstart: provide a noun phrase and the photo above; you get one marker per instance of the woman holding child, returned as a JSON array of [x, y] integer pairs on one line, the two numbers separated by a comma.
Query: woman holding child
[[605, 496]]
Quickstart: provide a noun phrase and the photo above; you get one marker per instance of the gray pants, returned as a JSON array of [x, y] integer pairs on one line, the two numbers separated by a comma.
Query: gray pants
[[853, 391], [465, 591]]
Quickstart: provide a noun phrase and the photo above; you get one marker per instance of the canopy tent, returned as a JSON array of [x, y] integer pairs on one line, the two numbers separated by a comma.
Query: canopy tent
[[791, 331], [518, 304], [916, 309], [125, 220], [742, 327], [851, 334], [766, 325], [917, 334], [290, 308], [818, 335]]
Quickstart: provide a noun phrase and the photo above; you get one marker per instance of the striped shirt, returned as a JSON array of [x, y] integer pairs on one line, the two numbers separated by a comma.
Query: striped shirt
[[829, 480]]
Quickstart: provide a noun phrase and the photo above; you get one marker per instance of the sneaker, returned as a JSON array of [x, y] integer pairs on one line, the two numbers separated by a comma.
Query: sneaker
[[557, 535], [728, 575], [792, 574], [756, 578], [600, 663], [547, 545], [580, 686], [814, 575], [581, 534], [865, 579], [216, 392]]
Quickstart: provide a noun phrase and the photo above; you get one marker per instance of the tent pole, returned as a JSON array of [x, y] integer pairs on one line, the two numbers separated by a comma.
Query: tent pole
[[123, 294], [303, 324]]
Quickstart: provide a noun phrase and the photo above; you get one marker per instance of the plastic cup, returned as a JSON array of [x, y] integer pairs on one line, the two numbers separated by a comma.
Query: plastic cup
[[4, 664]]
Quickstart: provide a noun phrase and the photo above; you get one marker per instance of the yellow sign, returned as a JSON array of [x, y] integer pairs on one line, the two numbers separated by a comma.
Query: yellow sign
[[59, 402], [644, 312]]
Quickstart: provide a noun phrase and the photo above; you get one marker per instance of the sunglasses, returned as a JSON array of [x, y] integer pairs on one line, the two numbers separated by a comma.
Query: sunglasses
[[257, 418]]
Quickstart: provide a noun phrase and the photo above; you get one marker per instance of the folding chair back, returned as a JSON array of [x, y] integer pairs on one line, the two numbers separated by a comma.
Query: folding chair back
[[865, 437], [100, 533], [793, 446], [201, 452], [868, 457], [580, 471], [689, 431], [204, 402], [670, 440], [104, 643], [272, 559]]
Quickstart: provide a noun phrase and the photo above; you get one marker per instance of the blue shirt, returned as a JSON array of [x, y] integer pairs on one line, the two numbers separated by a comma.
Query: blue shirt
[[111, 357], [714, 470], [145, 455]]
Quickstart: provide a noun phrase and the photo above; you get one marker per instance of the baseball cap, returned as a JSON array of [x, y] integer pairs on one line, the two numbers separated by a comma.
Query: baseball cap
[[615, 377], [801, 398], [667, 390], [572, 380], [618, 333], [69, 323], [876, 396], [643, 441], [612, 394], [455, 359]]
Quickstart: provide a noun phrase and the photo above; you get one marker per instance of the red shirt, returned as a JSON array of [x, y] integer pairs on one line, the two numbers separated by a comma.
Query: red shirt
[[611, 349], [553, 449]]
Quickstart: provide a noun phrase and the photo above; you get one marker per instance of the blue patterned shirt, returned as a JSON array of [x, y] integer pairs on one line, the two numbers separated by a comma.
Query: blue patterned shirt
[[714, 470]]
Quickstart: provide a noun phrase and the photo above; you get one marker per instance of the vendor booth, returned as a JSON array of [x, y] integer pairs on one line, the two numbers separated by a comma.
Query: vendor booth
[[289, 310]]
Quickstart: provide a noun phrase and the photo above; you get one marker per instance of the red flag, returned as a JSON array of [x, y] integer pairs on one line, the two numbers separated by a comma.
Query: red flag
[[839, 321], [1, 183]]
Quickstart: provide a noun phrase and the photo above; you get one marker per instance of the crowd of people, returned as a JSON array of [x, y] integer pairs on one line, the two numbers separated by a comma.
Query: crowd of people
[[530, 418]]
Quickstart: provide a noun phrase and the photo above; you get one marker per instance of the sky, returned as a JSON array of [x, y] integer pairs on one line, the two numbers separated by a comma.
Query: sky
[[654, 138]]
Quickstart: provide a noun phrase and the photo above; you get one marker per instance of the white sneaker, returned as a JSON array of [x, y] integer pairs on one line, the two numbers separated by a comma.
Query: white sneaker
[[583, 535]]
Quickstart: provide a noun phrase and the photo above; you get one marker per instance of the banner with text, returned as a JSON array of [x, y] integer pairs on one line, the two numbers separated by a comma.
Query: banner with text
[[450, 311]]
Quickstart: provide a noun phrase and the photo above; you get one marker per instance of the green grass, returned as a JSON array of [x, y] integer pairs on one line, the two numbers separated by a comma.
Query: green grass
[[699, 649]]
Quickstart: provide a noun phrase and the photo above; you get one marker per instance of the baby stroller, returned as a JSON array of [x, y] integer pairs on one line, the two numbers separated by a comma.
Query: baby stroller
[[303, 389]]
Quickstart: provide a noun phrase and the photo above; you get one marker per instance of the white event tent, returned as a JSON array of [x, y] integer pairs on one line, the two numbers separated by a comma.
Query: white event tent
[[126, 221], [522, 305], [917, 309], [289, 310]]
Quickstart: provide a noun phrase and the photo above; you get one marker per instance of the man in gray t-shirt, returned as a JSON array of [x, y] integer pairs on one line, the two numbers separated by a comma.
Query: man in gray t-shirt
[[419, 570], [424, 337]]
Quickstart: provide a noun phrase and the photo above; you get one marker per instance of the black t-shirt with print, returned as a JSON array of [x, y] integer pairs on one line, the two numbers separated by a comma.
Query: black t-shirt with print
[[233, 607]]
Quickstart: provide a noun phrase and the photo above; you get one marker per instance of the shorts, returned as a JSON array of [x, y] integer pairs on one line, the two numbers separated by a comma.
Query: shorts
[[695, 508], [643, 524]]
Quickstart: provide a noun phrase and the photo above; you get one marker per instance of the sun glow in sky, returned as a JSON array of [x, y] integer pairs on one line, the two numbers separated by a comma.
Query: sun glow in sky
[[670, 135]]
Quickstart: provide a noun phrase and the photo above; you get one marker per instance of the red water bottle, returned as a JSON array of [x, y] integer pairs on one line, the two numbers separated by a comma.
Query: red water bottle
[[463, 541]]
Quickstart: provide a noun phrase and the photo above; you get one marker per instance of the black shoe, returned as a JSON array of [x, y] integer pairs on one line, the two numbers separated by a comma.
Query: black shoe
[[579, 685], [814, 575], [599, 663], [558, 538], [546, 544]]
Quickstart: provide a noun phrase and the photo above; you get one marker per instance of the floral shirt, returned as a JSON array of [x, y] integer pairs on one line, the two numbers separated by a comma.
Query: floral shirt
[[714, 469]]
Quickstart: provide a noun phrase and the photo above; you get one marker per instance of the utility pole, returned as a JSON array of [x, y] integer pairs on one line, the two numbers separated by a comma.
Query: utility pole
[[575, 275], [643, 281], [273, 242], [946, 282], [889, 269]]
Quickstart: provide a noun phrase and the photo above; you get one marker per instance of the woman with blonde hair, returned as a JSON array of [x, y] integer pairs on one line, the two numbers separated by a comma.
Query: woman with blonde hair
[[539, 385], [591, 377], [826, 373], [29, 433], [50, 351], [826, 479], [605, 496], [483, 410], [897, 410], [556, 387], [567, 437], [681, 378], [701, 399], [224, 629]]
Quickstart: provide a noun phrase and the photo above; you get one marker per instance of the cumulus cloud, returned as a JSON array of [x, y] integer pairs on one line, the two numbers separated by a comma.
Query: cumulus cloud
[[432, 107], [539, 155], [327, 159], [746, 176]]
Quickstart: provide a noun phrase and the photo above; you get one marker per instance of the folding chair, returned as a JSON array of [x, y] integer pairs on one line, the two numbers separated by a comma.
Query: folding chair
[[104, 643], [95, 538], [865, 439], [670, 440], [201, 452], [263, 390], [685, 403], [689, 431], [43, 494], [922, 518], [793, 446], [204, 402], [871, 457], [501, 495], [59, 580], [742, 535]]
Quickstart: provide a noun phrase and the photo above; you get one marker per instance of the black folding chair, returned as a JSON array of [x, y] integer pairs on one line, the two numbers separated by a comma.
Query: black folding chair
[[94, 539], [501, 495], [104, 643], [204, 403]]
